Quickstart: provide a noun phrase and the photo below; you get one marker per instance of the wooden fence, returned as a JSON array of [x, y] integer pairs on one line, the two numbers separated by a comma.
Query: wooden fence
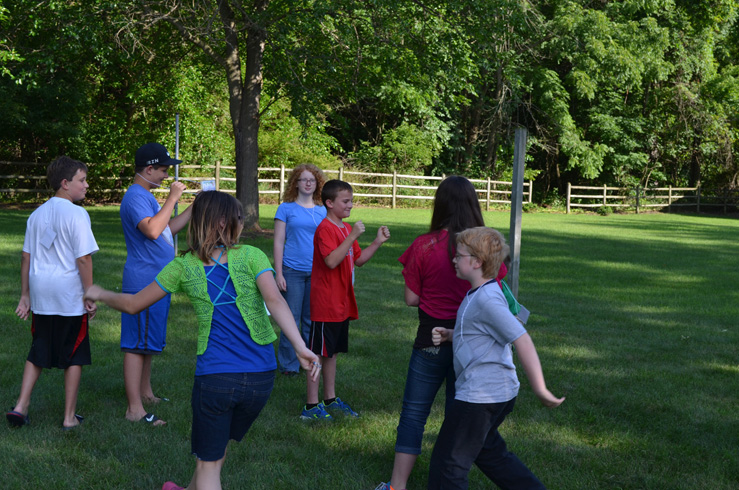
[[370, 188], [651, 197]]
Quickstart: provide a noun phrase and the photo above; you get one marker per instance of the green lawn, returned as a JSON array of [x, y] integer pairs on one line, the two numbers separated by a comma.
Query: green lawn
[[634, 318]]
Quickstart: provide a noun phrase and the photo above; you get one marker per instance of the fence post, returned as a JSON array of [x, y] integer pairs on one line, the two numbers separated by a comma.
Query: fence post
[[218, 175], [569, 193], [698, 194], [282, 183], [531, 191], [341, 173], [395, 186], [669, 199], [605, 192], [637, 199], [487, 206]]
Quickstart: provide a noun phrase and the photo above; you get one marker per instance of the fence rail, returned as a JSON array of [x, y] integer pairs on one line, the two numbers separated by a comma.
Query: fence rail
[[380, 188], [651, 197]]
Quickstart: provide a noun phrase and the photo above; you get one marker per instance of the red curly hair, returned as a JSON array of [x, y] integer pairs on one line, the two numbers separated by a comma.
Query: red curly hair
[[291, 189]]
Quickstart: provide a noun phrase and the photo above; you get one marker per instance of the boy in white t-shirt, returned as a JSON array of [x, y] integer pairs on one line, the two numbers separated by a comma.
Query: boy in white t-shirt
[[56, 270], [486, 386]]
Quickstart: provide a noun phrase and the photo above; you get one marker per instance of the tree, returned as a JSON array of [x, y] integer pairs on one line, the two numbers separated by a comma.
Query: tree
[[233, 35]]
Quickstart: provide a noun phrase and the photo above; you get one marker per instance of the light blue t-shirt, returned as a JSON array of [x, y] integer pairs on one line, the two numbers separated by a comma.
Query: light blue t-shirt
[[483, 360], [300, 226], [145, 257]]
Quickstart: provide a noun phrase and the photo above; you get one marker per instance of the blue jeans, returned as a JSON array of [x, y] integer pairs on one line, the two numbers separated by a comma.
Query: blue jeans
[[298, 299], [426, 372], [224, 406], [470, 435]]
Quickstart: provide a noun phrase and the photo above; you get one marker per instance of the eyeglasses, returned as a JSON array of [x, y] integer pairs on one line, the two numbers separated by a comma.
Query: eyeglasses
[[307, 181], [457, 256]]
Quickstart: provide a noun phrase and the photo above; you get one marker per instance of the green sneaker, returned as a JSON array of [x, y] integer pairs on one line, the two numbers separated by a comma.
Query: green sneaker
[[316, 413], [340, 406]]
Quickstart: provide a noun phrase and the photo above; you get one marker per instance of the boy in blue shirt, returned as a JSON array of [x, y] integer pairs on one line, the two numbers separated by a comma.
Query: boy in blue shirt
[[148, 229]]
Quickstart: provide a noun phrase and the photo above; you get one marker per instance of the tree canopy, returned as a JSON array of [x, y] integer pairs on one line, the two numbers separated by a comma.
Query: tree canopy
[[637, 92]]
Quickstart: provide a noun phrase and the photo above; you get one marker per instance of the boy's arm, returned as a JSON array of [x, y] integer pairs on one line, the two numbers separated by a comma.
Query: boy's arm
[[153, 226], [383, 233], [84, 265], [337, 255], [24, 305], [281, 313], [127, 303], [532, 366], [177, 223]]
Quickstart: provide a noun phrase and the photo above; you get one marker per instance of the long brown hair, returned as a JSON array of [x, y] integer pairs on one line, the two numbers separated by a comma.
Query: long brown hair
[[456, 208], [216, 222], [291, 188]]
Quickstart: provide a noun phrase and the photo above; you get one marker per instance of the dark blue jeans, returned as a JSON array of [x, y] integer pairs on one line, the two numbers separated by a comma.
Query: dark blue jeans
[[224, 406], [426, 373], [298, 299], [470, 435]]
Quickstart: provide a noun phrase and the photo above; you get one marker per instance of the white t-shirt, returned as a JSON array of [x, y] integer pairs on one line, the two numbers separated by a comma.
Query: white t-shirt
[[57, 234]]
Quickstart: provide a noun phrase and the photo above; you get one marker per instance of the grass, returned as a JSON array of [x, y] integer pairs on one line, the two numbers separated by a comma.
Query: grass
[[634, 318]]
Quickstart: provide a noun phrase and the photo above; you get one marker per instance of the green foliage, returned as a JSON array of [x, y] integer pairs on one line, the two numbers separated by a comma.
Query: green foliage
[[637, 92], [604, 210], [284, 141], [405, 149]]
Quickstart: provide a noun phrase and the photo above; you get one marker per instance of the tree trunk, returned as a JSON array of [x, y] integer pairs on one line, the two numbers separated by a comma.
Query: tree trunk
[[247, 139], [244, 97]]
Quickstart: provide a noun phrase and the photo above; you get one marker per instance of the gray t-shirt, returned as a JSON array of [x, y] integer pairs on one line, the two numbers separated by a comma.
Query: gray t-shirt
[[483, 360]]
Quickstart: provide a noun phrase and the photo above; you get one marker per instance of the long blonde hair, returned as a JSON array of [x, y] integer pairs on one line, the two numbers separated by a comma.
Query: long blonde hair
[[216, 222], [291, 189]]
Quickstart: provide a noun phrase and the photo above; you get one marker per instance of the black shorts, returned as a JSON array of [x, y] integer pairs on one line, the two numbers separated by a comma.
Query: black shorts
[[59, 341], [329, 338]]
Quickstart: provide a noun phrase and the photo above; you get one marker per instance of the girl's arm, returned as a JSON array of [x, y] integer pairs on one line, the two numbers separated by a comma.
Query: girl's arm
[[283, 316], [441, 334], [411, 298], [278, 253], [127, 303], [532, 366]]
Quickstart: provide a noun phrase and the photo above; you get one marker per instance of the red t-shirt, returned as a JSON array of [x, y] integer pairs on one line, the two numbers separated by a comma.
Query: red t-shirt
[[331, 290], [430, 274]]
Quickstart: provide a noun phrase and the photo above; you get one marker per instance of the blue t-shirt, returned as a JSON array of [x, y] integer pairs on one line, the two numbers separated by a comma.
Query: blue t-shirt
[[230, 346], [145, 257], [300, 226]]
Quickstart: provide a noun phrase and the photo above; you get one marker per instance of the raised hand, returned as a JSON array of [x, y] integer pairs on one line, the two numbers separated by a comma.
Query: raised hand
[[357, 230]]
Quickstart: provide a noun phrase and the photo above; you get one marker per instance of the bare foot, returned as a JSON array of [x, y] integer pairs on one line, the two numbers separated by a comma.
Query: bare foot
[[153, 400]]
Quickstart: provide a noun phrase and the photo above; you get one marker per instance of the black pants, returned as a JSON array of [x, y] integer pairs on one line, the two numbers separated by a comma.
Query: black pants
[[470, 435]]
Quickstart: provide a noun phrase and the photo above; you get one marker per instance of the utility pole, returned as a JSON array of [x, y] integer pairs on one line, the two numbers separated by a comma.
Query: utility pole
[[514, 234]]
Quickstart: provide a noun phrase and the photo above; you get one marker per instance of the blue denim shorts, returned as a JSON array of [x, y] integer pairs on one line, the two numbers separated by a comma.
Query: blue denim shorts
[[223, 408]]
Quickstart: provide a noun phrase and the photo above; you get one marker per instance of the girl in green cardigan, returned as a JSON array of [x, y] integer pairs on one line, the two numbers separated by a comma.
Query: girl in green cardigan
[[228, 285]]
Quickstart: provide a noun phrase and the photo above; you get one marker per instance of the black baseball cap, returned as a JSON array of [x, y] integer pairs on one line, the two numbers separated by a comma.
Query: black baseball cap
[[154, 154]]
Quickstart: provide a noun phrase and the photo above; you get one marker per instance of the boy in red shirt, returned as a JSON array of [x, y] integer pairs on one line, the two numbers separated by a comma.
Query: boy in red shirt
[[332, 302]]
